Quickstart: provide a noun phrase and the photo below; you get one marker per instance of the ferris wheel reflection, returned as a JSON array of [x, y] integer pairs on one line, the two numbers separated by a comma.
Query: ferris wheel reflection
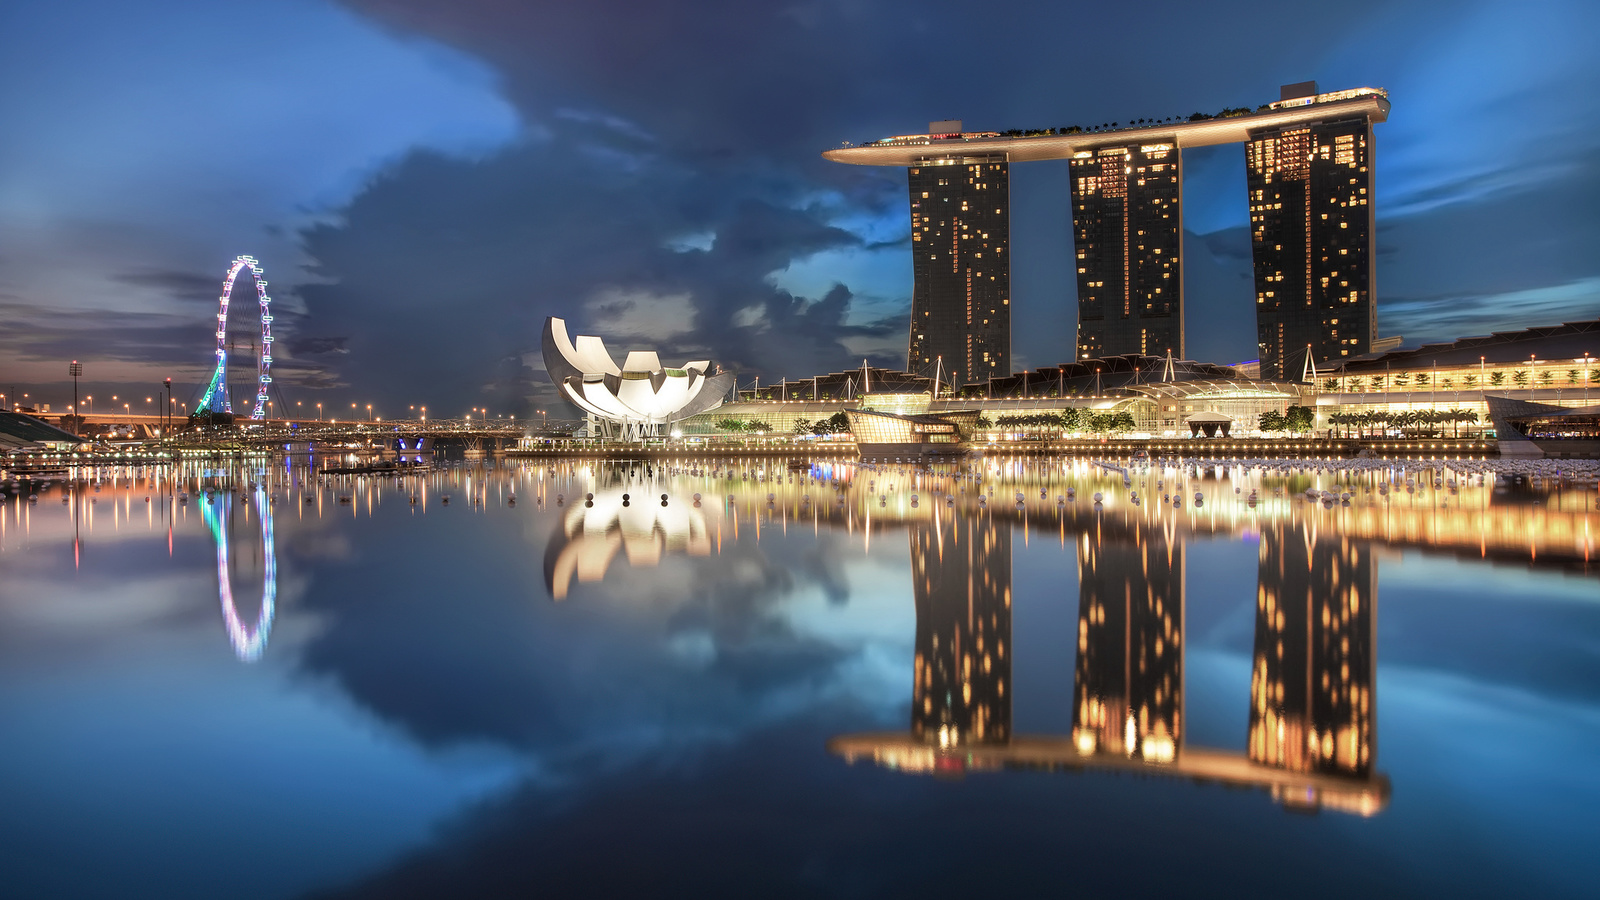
[[248, 639]]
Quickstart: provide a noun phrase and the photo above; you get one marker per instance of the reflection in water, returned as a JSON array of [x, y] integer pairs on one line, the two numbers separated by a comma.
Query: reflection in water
[[961, 571], [1128, 693], [1311, 739], [591, 534], [1311, 703], [248, 640]]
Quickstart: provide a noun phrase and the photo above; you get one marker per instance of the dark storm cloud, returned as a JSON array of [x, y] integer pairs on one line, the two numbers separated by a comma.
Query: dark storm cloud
[[659, 180], [177, 285], [48, 334], [462, 261], [312, 346]]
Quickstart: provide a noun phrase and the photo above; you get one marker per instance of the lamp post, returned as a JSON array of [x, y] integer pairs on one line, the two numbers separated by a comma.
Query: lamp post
[[166, 409], [75, 370], [1533, 383], [319, 412], [369, 413]]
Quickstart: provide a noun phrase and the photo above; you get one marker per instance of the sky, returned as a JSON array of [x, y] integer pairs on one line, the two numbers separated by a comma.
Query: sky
[[423, 183]]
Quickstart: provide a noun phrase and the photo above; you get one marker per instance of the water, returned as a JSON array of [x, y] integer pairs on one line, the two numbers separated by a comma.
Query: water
[[381, 693]]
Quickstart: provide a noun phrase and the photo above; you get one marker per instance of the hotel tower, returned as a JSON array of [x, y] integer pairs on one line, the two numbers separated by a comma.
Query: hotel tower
[[1309, 165]]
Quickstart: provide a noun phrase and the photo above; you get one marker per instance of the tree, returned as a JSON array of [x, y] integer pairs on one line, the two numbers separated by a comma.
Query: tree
[[1424, 379], [1520, 378], [801, 426], [1469, 381], [730, 425], [1572, 376], [1271, 420], [1299, 418], [1330, 384], [1497, 378], [1401, 380], [1547, 377]]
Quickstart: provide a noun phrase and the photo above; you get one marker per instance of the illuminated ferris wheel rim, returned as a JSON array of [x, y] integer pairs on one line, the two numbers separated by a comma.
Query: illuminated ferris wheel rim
[[219, 377]]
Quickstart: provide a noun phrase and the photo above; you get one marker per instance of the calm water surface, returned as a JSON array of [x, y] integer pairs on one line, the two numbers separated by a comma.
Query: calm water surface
[[296, 686]]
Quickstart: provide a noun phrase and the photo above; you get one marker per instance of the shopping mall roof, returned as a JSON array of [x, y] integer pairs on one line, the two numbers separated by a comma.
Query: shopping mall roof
[[1567, 341], [18, 431]]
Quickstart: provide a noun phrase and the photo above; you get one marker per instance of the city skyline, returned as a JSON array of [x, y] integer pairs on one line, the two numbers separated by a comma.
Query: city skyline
[[495, 167], [1309, 162]]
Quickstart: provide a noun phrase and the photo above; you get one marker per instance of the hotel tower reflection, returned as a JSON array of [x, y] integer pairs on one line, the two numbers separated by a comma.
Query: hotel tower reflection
[[1128, 694], [961, 693], [1311, 700], [1311, 742]]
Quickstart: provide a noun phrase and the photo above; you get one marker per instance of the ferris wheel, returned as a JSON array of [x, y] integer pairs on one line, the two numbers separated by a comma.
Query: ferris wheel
[[216, 399]]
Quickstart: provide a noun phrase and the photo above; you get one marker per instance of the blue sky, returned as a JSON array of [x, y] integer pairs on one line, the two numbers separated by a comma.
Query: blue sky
[[428, 182]]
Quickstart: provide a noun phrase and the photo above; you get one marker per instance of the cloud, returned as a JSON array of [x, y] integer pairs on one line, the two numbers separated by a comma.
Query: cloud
[[149, 146], [432, 179]]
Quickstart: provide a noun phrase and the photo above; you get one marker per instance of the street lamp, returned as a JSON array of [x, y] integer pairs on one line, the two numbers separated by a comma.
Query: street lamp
[[369, 412], [319, 412], [75, 370]]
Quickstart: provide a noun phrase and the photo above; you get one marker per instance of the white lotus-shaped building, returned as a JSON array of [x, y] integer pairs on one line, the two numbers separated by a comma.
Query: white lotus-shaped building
[[633, 401]]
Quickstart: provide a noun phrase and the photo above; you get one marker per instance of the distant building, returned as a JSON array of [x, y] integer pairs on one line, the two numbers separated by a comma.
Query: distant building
[[1127, 230], [1311, 228], [961, 266]]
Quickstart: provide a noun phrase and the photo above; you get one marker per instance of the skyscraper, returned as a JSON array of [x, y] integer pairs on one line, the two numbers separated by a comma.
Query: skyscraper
[[1311, 226], [1127, 230], [1308, 157], [961, 287], [961, 574]]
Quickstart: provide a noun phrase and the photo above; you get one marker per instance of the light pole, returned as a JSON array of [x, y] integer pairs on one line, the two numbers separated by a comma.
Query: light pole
[[369, 413], [75, 370], [319, 412]]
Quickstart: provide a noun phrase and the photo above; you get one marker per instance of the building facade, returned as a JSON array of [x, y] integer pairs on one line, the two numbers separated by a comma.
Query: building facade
[[961, 267], [1127, 230], [1311, 227]]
